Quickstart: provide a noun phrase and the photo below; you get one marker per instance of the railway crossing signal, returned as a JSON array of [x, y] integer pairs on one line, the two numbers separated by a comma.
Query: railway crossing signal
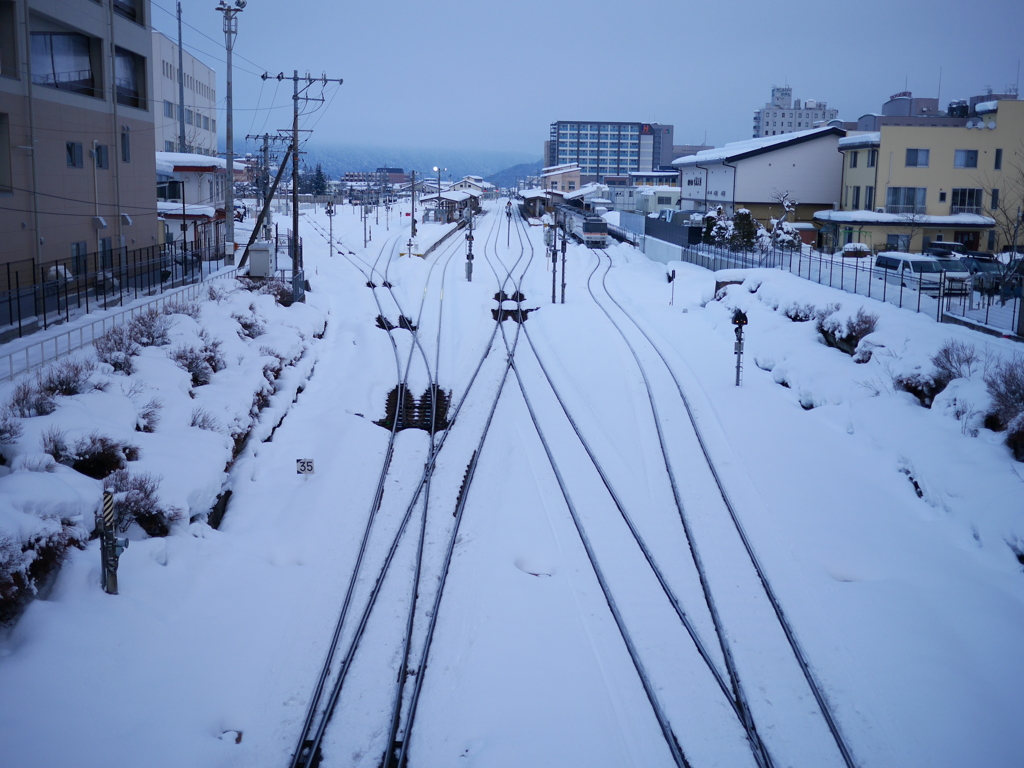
[[672, 280]]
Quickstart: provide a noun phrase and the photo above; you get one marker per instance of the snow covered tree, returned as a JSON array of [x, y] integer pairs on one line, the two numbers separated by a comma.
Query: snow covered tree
[[744, 231], [784, 234], [711, 219]]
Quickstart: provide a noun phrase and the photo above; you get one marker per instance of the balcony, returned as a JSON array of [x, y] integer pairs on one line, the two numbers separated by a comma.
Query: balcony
[[955, 209]]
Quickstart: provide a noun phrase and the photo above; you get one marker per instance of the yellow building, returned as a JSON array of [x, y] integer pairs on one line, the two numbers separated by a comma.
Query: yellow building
[[908, 187]]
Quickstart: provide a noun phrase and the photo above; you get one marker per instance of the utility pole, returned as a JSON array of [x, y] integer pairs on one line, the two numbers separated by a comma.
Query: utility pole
[[181, 92], [265, 176], [469, 242], [296, 92], [412, 197], [230, 31]]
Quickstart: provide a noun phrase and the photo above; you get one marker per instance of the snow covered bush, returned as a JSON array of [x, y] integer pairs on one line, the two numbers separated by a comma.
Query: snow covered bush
[[150, 329], [801, 313], [249, 323], [117, 347], [69, 376], [55, 443], [200, 362], [190, 308], [135, 501], [204, 420], [744, 231], [27, 400], [98, 456], [1005, 383], [24, 566], [956, 360], [846, 333], [149, 416], [10, 427]]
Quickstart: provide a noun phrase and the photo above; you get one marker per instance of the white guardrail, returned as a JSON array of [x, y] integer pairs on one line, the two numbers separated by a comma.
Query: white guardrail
[[32, 354]]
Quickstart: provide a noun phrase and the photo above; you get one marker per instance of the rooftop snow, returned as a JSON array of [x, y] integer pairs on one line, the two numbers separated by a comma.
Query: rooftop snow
[[873, 217], [735, 148]]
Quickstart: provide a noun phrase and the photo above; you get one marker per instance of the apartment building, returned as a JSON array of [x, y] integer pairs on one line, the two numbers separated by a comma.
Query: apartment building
[[77, 172], [783, 114], [906, 187], [609, 149], [200, 106]]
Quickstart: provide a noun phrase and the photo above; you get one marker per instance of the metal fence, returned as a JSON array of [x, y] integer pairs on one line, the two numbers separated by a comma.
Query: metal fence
[[996, 307], [34, 296], [49, 346]]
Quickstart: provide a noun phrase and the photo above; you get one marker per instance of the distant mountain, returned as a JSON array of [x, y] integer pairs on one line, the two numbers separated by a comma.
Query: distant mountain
[[336, 160], [511, 177]]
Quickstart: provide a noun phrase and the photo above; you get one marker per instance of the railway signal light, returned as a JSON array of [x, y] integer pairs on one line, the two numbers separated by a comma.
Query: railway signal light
[[739, 319]]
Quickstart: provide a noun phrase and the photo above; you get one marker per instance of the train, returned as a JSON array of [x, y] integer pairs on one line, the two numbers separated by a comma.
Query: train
[[588, 228]]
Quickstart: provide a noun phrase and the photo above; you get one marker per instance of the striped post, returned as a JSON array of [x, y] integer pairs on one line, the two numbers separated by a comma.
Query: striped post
[[107, 547]]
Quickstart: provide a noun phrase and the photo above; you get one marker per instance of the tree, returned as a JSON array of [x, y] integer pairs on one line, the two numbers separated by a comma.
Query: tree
[[784, 234], [744, 231], [319, 182]]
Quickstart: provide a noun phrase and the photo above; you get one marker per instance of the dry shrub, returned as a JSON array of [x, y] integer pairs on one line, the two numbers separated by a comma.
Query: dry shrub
[[27, 565], [151, 328], [117, 347], [135, 501], [249, 325], [956, 360], [923, 386], [54, 442], [28, 400], [190, 308], [204, 420], [11, 429], [69, 376], [801, 313], [1005, 384], [149, 416]]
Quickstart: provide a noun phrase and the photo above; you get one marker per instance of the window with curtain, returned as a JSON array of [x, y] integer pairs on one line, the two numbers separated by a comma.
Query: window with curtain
[[63, 60], [129, 78]]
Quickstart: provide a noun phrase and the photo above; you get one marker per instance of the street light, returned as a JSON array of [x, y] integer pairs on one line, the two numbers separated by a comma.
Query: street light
[[230, 30], [438, 170]]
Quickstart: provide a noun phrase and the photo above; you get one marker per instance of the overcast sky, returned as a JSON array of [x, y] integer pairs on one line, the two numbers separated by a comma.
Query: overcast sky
[[493, 75]]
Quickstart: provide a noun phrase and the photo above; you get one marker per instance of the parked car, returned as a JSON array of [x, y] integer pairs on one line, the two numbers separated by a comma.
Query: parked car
[[946, 248], [982, 263], [923, 271]]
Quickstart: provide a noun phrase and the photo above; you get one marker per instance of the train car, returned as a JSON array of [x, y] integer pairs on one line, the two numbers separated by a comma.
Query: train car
[[588, 228]]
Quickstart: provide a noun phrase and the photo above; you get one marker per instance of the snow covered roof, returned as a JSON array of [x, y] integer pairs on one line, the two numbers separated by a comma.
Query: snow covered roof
[[659, 189], [182, 162], [168, 208], [872, 139], [553, 170], [873, 217], [738, 150], [654, 173], [984, 107], [587, 189], [531, 194]]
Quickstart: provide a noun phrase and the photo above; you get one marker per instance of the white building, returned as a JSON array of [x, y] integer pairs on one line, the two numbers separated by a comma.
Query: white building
[[753, 173], [200, 106], [784, 115]]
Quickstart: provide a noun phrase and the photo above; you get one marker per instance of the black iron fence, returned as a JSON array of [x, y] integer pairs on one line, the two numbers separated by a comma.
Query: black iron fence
[[34, 296], [997, 305]]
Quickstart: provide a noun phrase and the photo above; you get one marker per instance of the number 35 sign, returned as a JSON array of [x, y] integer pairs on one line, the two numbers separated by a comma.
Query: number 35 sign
[[304, 466]]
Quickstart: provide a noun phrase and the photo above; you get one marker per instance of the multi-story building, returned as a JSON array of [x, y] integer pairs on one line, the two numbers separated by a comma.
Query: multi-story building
[[906, 109], [783, 114], [609, 149], [77, 170], [905, 187], [200, 107]]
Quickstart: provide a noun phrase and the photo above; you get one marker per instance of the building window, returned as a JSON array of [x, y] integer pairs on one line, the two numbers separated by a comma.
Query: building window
[[664, 200], [102, 156], [853, 159], [966, 200], [856, 198], [168, 146], [206, 123], [872, 157], [999, 160], [74, 154], [907, 200], [917, 158], [995, 200], [8, 34], [188, 116], [126, 144], [130, 78], [966, 158], [168, 109], [869, 198], [942, 197], [898, 243], [106, 253], [6, 176], [129, 9], [991, 239], [63, 60]]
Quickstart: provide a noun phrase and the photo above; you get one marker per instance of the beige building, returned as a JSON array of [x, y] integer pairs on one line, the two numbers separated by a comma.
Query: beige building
[[908, 187], [561, 178], [200, 108], [77, 172]]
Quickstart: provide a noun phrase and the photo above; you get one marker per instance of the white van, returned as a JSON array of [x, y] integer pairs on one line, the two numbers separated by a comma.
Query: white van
[[924, 272]]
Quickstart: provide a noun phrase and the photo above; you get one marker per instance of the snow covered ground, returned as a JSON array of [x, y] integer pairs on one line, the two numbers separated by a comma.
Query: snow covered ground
[[910, 608]]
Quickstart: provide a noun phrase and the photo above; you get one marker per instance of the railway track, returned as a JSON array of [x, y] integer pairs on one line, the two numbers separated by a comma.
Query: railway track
[[373, 574]]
